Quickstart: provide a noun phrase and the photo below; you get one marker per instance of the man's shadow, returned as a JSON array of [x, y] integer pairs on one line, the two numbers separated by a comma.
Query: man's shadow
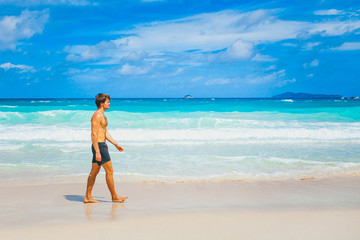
[[89, 206], [74, 198], [80, 198]]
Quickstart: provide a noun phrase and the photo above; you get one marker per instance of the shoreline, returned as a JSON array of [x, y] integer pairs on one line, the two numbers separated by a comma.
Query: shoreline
[[119, 179]]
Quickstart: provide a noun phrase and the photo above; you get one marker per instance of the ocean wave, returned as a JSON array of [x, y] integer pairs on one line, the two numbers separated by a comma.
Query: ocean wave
[[177, 167], [314, 172], [281, 132], [46, 117], [45, 173], [11, 115], [260, 170], [11, 147], [179, 120], [40, 101], [8, 106]]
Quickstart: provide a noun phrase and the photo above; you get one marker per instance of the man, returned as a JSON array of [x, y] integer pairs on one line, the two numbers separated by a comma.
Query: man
[[101, 156]]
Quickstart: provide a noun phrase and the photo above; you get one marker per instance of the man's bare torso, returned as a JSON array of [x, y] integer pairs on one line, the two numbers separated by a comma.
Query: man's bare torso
[[102, 127]]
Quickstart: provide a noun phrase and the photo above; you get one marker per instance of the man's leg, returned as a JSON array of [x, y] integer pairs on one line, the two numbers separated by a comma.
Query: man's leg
[[95, 168], [110, 182]]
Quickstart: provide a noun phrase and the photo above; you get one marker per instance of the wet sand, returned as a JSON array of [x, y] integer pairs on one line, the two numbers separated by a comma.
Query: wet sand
[[294, 209]]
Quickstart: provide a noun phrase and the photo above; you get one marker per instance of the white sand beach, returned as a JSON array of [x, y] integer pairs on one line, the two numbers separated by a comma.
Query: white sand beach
[[297, 209]]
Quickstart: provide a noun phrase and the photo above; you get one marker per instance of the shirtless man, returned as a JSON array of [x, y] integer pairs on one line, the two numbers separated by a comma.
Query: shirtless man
[[101, 156]]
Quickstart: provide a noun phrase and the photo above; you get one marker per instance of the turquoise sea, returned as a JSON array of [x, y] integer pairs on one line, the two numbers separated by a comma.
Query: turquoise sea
[[174, 140]]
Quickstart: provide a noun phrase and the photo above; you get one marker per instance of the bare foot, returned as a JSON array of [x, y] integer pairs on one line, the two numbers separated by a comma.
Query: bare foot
[[90, 200], [119, 199]]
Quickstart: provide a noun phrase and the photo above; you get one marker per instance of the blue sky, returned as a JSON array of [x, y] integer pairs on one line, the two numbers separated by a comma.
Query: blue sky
[[170, 48]]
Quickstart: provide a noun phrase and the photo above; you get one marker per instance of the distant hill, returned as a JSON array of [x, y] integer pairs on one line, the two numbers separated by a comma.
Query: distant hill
[[305, 96]]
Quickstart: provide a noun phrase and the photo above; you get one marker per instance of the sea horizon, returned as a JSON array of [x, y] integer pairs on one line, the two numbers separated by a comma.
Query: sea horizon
[[93, 98], [327, 96]]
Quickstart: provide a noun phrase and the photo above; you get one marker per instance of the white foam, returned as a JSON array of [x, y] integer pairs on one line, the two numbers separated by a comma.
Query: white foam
[[7, 106], [53, 113], [33, 132], [9, 115], [177, 120], [27, 132], [173, 168], [294, 173], [235, 134], [50, 113], [73, 145], [40, 101], [12, 147]]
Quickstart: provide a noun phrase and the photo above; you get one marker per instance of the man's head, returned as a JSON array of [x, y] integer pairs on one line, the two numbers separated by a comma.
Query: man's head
[[101, 98]]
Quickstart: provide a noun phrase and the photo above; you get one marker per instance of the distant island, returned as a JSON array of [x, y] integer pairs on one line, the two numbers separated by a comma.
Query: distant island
[[306, 96], [188, 96]]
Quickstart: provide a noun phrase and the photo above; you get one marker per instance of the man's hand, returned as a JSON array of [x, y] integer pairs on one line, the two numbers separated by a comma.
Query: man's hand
[[98, 157], [119, 148]]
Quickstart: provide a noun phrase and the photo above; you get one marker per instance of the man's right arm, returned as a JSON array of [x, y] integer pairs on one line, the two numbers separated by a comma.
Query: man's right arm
[[95, 124]]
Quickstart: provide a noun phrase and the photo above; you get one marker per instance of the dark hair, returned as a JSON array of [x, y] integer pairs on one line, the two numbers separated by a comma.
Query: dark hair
[[101, 98]]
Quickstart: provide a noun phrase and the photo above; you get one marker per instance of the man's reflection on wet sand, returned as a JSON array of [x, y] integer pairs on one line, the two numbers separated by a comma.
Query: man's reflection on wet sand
[[112, 216], [114, 208]]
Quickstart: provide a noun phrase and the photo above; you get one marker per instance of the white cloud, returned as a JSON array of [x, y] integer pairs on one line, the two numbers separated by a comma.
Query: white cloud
[[231, 32], [267, 78], [289, 44], [197, 79], [90, 75], [218, 81], [310, 45], [128, 69], [263, 58], [272, 67], [239, 50], [311, 75], [16, 28], [348, 46], [22, 68], [208, 32], [328, 12], [334, 28], [136, 56], [47, 2], [177, 72], [84, 53], [283, 83], [104, 50], [314, 63]]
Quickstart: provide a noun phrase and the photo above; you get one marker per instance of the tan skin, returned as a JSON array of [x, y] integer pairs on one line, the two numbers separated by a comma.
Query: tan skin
[[99, 133]]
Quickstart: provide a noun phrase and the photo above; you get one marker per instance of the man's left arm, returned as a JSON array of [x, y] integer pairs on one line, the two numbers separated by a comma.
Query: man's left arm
[[110, 139]]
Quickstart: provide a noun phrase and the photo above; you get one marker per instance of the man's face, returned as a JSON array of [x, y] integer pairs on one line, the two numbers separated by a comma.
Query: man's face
[[106, 104]]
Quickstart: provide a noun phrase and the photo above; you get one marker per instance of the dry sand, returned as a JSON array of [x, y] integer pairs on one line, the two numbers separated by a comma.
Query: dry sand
[[311, 209]]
